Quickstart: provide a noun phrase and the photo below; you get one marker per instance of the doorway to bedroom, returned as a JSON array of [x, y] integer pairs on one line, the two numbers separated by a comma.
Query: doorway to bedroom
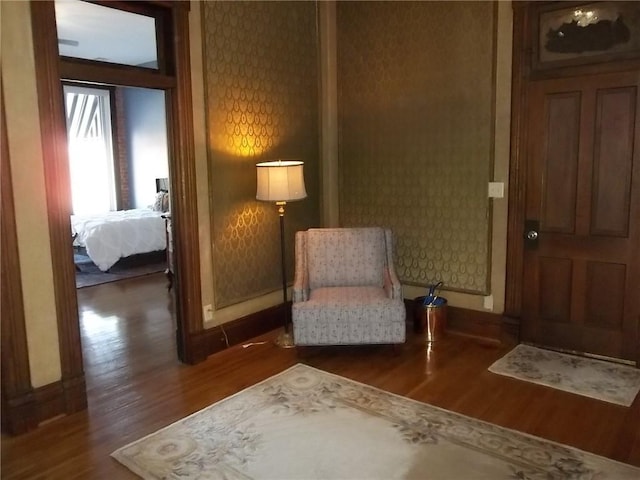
[[117, 107], [119, 176]]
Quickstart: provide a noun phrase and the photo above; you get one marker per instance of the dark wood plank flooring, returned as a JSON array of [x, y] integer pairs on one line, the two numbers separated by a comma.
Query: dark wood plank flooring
[[136, 385]]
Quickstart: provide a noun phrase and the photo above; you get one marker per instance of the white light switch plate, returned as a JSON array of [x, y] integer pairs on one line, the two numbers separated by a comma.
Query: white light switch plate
[[496, 189]]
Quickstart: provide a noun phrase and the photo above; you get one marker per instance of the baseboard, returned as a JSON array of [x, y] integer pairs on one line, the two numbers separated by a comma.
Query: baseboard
[[237, 331], [49, 401], [484, 325], [25, 412], [488, 326], [19, 413], [75, 394], [510, 330]]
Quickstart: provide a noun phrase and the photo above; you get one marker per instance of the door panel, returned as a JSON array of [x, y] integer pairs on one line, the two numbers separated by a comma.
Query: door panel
[[605, 280], [560, 170], [555, 288], [613, 161], [582, 274]]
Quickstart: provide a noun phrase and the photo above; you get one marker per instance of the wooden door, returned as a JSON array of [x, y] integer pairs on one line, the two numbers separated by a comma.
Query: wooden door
[[581, 265]]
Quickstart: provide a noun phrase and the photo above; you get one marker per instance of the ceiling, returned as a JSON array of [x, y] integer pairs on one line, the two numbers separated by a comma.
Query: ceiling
[[96, 32]]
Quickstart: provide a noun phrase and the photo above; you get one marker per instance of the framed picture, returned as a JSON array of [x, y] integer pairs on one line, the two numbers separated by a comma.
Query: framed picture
[[582, 33]]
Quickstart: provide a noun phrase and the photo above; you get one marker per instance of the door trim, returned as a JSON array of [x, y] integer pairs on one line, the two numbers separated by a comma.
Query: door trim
[[57, 185], [18, 409], [58, 193], [517, 164]]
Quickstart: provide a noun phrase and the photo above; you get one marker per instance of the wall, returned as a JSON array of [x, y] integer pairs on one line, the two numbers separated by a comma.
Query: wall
[[261, 103], [25, 149], [419, 95], [26, 157], [146, 142]]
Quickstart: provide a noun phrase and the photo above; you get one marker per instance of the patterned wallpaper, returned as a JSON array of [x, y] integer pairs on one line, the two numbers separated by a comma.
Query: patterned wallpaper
[[261, 89], [415, 100]]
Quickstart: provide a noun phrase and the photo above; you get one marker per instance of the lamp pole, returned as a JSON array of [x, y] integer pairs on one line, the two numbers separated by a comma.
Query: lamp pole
[[289, 341]]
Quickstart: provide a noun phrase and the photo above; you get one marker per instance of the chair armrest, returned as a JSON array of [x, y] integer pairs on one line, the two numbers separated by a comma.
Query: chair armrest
[[392, 285], [299, 294], [300, 291]]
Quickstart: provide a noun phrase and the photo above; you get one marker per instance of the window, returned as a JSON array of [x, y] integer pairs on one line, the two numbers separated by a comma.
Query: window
[[91, 162], [95, 32]]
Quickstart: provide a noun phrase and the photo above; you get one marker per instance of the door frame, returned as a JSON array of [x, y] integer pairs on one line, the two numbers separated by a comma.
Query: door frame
[[57, 185], [525, 14]]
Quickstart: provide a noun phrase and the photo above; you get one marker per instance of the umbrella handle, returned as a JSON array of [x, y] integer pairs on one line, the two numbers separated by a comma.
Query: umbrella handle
[[433, 288]]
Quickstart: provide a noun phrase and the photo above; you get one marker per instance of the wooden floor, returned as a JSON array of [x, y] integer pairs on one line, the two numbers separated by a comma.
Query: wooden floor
[[136, 386]]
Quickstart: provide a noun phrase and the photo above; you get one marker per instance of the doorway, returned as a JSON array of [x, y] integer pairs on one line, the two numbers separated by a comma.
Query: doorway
[[119, 175], [583, 215], [172, 76], [573, 265]]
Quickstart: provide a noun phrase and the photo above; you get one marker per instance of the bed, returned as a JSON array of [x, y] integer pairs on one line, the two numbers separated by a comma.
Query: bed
[[110, 236]]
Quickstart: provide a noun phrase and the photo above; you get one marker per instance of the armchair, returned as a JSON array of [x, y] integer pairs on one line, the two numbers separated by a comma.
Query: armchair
[[346, 290]]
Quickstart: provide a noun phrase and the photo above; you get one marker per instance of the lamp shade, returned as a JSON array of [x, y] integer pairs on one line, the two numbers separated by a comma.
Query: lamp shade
[[280, 181]]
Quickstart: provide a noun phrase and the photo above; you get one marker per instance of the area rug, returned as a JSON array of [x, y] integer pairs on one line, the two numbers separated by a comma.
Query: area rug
[[308, 424], [88, 274], [607, 381]]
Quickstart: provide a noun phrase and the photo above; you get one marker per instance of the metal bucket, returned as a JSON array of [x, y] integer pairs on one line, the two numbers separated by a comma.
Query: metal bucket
[[431, 319]]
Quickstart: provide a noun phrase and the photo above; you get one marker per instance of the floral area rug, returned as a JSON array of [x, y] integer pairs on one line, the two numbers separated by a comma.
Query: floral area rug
[[308, 424], [599, 379]]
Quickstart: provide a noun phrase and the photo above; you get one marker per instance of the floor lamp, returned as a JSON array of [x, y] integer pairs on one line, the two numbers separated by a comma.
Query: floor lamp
[[281, 181]]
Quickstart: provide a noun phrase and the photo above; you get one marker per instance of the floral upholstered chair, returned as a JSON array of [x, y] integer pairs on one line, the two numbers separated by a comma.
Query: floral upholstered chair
[[346, 290]]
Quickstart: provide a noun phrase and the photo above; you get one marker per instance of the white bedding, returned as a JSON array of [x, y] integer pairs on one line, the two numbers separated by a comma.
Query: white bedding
[[111, 236]]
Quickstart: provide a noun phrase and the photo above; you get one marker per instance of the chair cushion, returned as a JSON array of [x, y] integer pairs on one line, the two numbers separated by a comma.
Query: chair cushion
[[360, 297], [345, 257], [348, 316]]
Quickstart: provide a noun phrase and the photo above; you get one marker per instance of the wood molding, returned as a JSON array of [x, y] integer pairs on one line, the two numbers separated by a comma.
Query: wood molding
[[517, 164], [485, 325], [49, 401], [184, 198], [75, 69], [490, 327], [58, 191], [216, 339], [74, 394], [17, 394], [29, 410], [19, 413]]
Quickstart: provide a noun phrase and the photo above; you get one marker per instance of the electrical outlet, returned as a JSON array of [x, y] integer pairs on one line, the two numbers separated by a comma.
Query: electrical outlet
[[496, 190], [207, 312], [488, 302]]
